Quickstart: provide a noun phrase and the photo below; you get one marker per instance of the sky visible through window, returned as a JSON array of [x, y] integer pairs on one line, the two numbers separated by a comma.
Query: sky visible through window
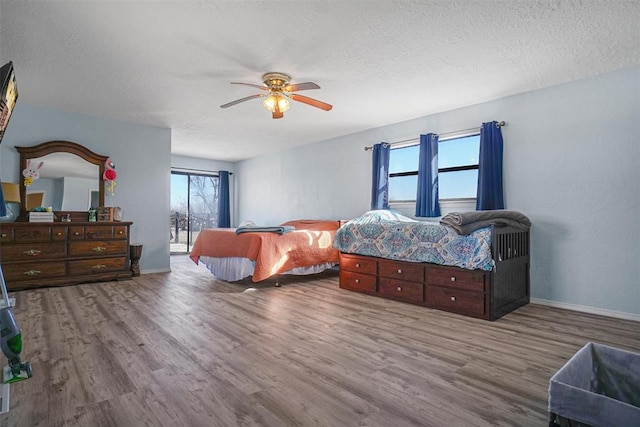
[[179, 186], [452, 185]]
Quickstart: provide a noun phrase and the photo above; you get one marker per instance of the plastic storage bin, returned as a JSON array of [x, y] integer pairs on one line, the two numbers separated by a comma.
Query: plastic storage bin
[[599, 386]]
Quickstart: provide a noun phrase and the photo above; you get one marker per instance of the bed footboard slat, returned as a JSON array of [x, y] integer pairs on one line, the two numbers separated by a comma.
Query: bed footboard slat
[[510, 278]]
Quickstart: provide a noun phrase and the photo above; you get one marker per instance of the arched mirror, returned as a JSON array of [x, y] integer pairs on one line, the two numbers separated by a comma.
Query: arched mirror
[[70, 177]]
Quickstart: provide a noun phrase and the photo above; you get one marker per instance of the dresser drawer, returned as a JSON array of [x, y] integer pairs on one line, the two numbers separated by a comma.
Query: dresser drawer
[[402, 271], [33, 271], [96, 266], [6, 235], [32, 234], [95, 232], [120, 232], [32, 251], [35, 254], [357, 281], [59, 234], [456, 279], [113, 247], [358, 264], [455, 300], [98, 233], [399, 289], [76, 233]]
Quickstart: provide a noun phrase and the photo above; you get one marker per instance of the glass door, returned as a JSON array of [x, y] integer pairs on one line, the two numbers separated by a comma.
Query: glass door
[[194, 207]]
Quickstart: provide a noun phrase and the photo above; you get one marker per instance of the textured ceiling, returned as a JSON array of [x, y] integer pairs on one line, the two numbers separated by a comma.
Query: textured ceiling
[[169, 64]]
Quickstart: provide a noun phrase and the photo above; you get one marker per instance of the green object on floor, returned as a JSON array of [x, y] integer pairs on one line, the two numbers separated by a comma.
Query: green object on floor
[[11, 341]]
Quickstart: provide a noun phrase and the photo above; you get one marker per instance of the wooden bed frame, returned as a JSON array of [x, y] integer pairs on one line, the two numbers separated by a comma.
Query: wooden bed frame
[[484, 294]]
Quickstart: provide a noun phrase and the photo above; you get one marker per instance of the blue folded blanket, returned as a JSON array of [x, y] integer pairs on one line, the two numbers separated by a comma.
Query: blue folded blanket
[[278, 229]]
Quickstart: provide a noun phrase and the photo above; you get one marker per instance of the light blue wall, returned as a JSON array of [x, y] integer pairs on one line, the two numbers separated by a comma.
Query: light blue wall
[[142, 157], [572, 164]]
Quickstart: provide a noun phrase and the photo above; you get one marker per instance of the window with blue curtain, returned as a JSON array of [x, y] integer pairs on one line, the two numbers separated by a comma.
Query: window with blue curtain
[[224, 209], [380, 176], [490, 186], [464, 171], [427, 200]]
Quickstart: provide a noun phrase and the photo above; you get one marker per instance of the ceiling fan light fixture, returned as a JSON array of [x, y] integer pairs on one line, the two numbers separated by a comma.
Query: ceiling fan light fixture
[[276, 102], [278, 93]]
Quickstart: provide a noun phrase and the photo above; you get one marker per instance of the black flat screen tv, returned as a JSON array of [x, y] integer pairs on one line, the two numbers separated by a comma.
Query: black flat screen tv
[[8, 95]]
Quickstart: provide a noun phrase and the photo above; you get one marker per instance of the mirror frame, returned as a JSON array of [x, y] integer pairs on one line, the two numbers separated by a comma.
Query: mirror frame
[[59, 147]]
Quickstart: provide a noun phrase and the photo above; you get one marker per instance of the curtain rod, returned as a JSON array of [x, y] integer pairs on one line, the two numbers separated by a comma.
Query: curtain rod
[[442, 135], [195, 170]]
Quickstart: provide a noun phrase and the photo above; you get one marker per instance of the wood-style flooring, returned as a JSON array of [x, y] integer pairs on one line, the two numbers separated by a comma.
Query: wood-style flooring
[[184, 349]]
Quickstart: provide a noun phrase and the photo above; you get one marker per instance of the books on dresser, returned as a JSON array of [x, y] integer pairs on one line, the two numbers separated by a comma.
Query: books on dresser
[[41, 217]]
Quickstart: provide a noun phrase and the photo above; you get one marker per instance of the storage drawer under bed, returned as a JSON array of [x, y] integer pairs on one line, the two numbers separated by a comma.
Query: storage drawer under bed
[[455, 300], [455, 278], [358, 264], [401, 290], [357, 281], [402, 271]]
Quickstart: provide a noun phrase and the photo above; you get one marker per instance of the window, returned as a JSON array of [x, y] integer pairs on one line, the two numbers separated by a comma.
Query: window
[[194, 207], [457, 169]]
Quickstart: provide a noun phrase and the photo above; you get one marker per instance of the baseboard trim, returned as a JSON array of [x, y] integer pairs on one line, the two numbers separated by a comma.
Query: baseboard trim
[[155, 270], [587, 309]]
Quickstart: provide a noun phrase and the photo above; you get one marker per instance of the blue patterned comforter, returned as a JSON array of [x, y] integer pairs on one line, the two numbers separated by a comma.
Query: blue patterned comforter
[[387, 234]]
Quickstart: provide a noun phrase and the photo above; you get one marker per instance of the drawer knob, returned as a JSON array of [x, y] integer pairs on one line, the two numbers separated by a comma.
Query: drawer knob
[[399, 271], [4, 234], [357, 265], [76, 233], [120, 232], [453, 299], [32, 272], [99, 266], [32, 252], [99, 249], [453, 279], [399, 288], [357, 280], [59, 233]]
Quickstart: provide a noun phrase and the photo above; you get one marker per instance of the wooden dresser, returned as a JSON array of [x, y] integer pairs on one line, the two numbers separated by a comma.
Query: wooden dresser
[[468, 292], [63, 253]]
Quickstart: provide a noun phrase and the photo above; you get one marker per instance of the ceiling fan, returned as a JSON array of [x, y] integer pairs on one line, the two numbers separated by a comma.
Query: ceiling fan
[[278, 92]]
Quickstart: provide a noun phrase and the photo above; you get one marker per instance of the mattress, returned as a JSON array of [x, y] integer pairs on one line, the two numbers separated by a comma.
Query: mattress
[[387, 234]]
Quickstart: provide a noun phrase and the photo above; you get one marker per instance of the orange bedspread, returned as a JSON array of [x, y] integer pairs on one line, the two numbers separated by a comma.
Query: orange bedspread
[[310, 244]]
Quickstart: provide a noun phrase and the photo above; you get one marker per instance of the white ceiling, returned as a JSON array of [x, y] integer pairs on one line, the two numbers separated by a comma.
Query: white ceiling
[[169, 64]]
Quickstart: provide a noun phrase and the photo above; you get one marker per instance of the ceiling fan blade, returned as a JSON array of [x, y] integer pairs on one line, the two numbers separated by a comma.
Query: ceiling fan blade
[[238, 101], [310, 101], [301, 86], [261, 87]]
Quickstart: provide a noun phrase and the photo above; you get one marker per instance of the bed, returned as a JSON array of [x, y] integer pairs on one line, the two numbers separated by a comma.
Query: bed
[[484, 273], [304, 247]]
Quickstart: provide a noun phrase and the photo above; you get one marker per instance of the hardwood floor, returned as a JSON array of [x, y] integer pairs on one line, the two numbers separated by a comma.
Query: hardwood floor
[[184, 349]]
